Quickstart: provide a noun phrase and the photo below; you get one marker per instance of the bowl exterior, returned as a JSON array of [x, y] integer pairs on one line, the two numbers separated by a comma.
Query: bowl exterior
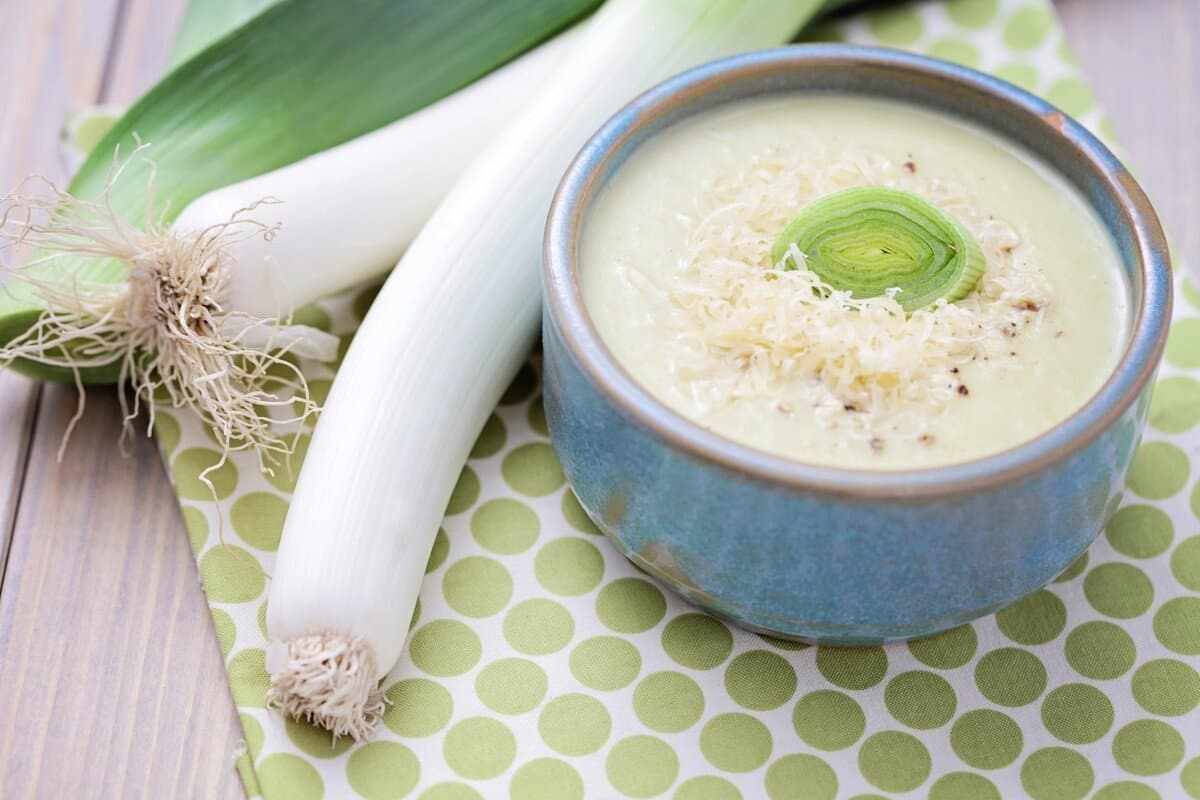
[[815, 565], [840, 556]]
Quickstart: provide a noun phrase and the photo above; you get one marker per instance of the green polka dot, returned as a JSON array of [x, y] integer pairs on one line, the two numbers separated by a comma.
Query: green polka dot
[[760, 680], [1126, 790], [286, 775], [166, 431], [1185, 563], [533, 469], [1140, 531], [258, 519], [1027, 28], [668, 702], [491, 438], [287, 470], [642, 766], [735, 742], [466, 492], [896, 26], [225, 629], [1010, 677], [1118, 590], [828, 720], [477, 587], [383, 770], [963, 786], [707, 787], [1166, 687], [318, 392], [630, 605], [1189, 777], [576, 516], [986, 739], [538, 627], [546, 779], [363, 300], [574, 724], [1077, 713], [1075, 570], [947, 650], [418, 707], [1056, 773], [445, 647], [253, 734], [511, 685], [479, 748], [569, 566], [1177, 625], [450, 791], [697, 641], [920, 699], [1183, 343], [801, 777], [894, 761], [1159, 470], [316, 742], [1037, 619], [262, 620], [192, 463], [1190, 292], [1019, 73], [536, 417], [522, 387], [1072, 96], [956, 50], [971, 13], [505, 526], [852, 667], [1176, 404], [439, 552], [1148, 747], [231, 575], [605, 663], [312, 316], [196, 525], [1100, 650]]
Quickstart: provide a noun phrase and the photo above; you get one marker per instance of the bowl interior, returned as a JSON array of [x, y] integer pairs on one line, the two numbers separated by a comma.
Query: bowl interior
[[1012, 113]]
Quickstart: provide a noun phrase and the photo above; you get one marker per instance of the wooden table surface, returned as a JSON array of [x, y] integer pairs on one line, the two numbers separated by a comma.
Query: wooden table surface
[[111, 683]]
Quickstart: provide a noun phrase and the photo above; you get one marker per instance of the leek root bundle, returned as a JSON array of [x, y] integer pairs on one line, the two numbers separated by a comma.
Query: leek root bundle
[[445, 336]]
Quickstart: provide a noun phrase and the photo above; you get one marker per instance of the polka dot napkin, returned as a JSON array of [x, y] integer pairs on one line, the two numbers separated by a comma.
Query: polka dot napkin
[[544, 667]]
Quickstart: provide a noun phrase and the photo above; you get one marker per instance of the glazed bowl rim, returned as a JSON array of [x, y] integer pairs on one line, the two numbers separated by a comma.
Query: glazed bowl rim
[[564, 303]]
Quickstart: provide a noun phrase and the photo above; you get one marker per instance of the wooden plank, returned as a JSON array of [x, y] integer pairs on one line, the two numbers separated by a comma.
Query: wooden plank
[[1143, 60], [113, 681]]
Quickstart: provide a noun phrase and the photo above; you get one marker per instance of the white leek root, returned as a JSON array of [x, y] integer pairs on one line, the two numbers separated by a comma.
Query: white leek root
[[202, 317], [329, 681], [450, 329], [164, 323]]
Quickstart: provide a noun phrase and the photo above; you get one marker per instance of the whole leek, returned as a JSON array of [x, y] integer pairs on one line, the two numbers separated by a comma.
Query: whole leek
[[443, 339]]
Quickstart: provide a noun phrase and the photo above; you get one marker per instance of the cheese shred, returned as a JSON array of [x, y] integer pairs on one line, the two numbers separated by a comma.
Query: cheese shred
[[743, 327]]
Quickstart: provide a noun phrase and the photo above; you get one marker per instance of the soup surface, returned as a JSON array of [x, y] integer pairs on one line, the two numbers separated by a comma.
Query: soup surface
[[677, 275]]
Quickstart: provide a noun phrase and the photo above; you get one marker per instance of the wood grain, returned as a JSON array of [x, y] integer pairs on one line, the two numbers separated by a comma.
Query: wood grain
[[113, 685]]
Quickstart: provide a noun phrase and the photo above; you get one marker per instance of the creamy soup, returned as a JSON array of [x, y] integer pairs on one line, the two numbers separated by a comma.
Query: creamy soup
[[677, 275]]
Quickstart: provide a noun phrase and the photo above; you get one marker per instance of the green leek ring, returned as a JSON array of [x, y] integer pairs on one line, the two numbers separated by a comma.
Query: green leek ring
[[870, 239]]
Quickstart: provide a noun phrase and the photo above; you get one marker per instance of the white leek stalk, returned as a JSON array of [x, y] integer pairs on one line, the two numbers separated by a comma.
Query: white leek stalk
[[445, 336], [203, 313]]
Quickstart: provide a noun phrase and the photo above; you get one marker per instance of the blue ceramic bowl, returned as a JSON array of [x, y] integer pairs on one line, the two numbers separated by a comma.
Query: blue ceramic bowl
[[836, 555]]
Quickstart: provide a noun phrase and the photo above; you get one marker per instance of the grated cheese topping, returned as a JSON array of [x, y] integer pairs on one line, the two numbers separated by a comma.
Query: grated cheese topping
[[743, 327]]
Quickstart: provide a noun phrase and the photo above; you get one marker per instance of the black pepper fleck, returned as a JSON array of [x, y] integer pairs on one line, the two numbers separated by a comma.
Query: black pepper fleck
[[910, 166], [963, 390], [876, 445]]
